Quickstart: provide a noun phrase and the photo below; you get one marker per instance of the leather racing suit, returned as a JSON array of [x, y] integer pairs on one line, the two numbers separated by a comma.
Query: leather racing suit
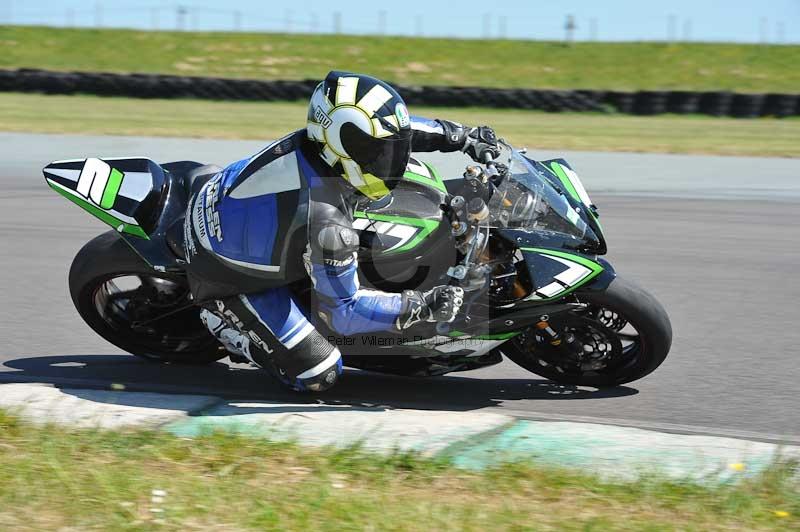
[[232, 228]]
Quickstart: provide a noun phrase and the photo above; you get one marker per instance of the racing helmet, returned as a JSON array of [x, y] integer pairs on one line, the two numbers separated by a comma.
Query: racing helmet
[[362, 129]]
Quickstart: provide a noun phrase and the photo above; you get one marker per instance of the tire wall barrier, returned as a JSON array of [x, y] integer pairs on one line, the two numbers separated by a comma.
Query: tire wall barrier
[[718, 103]]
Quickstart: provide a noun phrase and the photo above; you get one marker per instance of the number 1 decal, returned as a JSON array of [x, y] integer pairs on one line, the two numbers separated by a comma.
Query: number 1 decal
[[100, 183]]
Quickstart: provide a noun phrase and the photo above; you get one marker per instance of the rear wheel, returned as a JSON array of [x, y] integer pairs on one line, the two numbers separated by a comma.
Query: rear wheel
[[614, 337], [147, 313]]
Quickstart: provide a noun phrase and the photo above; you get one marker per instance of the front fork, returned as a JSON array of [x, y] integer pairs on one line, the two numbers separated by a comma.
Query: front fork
[[565, 341]]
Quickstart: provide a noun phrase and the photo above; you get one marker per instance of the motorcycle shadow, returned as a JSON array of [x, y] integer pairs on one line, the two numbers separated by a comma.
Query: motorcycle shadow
[[357, 389]]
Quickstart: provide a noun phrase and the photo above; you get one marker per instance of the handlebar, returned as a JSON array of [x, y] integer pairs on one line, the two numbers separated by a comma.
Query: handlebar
[[460, 273]]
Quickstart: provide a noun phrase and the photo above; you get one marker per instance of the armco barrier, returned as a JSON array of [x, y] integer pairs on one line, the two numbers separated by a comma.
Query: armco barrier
[[165, 86]]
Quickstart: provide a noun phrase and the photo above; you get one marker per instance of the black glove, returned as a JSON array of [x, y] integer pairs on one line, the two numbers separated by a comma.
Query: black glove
[[480, 142], [440, 304]]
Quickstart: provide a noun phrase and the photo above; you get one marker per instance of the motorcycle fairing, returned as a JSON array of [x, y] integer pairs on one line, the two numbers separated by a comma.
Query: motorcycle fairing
[[561, 175], [489, 336], [405, 240], [424, 174], [402, 233], [409, 219], [554, 274], [422, 352], [421, 364], [568, 179], [125, 193]]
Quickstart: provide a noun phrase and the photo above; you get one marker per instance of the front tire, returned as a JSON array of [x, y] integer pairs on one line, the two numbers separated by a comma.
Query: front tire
[[124, 316], [626, 302]]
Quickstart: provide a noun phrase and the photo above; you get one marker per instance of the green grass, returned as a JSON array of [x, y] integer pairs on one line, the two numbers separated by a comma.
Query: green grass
[[59, 479], [497, 63], [247, 120]]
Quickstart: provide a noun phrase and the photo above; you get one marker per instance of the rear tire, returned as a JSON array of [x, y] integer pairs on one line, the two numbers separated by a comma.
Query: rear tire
[[108, 257], [640, 309]]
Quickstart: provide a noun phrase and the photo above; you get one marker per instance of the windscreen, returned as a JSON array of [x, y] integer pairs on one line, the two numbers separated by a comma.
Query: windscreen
[[526, 200]]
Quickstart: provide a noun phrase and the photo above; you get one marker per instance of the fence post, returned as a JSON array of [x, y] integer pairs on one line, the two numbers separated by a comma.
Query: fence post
[[337, 22], [569, 29]]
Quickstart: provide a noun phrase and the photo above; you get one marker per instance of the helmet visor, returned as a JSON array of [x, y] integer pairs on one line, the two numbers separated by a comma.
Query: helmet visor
[[384, 158]]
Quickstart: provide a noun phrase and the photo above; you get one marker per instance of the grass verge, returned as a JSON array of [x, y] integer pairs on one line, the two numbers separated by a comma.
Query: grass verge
[[496, 63], [269, 120], [57, 478]]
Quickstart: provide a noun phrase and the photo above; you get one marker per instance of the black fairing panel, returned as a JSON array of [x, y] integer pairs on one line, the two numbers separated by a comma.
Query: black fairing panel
[[543, 271], [391, 263], [540, 270], [602, 281]]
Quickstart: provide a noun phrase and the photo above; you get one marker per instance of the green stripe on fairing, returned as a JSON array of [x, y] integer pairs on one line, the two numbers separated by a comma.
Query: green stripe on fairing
[[548, 169], [565, 180], [592, 265], [498, 336], [595, 268], [437, 177], [434, 181], [112, 189], [421, 179], [426, 227], [114, 222]]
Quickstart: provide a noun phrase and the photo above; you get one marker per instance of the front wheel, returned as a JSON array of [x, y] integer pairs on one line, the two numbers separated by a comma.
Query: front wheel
[[142, 311], [615, 336]]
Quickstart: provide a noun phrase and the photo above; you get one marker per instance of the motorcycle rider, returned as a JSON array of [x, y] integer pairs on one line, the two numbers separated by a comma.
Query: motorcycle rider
[[354, 148]]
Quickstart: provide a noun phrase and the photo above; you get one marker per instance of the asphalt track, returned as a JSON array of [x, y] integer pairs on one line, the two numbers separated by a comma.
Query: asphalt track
[[714, 238]]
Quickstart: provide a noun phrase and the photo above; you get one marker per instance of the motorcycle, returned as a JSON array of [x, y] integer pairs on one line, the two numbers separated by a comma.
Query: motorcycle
[[520, 236]]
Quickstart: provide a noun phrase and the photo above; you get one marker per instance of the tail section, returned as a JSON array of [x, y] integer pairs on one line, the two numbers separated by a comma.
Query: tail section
[[124, 193]]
